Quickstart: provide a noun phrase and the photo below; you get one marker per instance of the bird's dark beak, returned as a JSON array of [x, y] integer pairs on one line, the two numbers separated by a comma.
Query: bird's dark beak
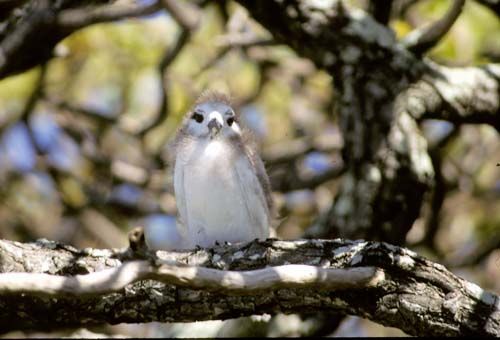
[[214, 126]]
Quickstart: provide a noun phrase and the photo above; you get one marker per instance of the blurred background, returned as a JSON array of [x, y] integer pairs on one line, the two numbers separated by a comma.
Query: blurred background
[[83, 157]]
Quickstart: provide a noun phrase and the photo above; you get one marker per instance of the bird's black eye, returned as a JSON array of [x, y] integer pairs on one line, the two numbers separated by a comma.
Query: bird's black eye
[[198, 117], [230, 121]]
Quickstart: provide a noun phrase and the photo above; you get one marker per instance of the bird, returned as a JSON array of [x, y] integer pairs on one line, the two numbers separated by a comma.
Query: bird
[[221, 187]]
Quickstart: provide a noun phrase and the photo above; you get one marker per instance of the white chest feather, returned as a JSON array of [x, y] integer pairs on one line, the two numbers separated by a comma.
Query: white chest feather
[[218, 195]]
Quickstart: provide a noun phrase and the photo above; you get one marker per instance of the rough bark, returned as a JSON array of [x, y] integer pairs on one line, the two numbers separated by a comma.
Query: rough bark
[[459, 95], [389, 169], [416, 295], [30, 30], [388, 166]]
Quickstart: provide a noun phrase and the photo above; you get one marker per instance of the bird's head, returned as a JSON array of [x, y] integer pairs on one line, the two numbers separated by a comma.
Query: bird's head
[[212, 117]]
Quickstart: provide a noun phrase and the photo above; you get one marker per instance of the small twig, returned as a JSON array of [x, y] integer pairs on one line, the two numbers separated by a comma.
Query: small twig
[[293, 181], [244, 40], [402, 7], [187, 17], [102, 228], [437, 200], [185, 14], [35, 95], [235, 37], [220, 54], [30, 102], [166, 61], [93, 114], [478, 254], [421, 40], [289, 151], [323, 177], [29, 107], [230, 282], [72, 19]]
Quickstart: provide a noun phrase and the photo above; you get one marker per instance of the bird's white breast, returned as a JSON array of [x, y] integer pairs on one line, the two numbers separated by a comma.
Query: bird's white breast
[[222, 199]]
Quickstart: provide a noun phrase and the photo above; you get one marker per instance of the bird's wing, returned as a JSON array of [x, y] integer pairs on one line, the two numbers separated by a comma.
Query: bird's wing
[[177, 167], [173, 148], [253, 196], [263, 181], [248, 144], [180, 197], [257, 180]]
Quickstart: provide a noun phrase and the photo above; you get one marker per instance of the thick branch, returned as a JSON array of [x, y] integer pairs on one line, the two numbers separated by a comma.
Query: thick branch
[[387, 166], [405, 291], [469, 95], [36, 27]]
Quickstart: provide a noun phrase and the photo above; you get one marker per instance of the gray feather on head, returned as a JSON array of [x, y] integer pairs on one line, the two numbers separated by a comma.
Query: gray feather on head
[[213, 96]]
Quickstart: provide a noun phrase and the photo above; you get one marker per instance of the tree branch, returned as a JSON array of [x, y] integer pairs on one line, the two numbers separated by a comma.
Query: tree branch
[[34, 31], [94, 115], [289, 151], [48, 285], [187, 17], [291, 180], [15, 46], [75, 18], [423, 39], [381, 10], [439, 191], [185, 14], [114, 280], [168, 57], [468, 95], [380, 166]]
